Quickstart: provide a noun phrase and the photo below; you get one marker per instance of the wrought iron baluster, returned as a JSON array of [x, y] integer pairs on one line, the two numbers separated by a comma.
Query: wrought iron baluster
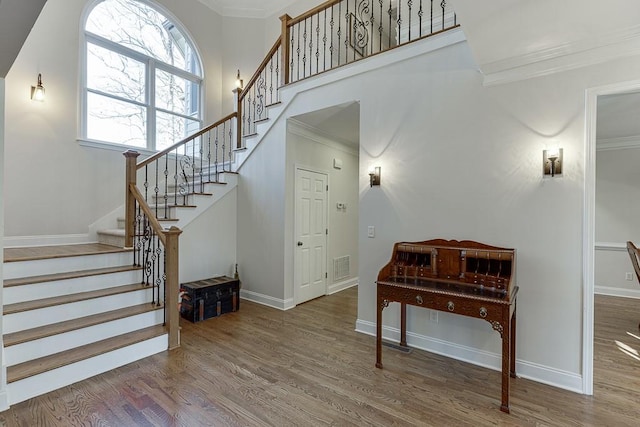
[[380, 26], [291, 50], [224, 128], [318, 44], [390, 13], [216, 145], [164, 287], [399, 22], [208, 157], [278, 52], [304, 50], [157, 282], [443, 5], [431, 17], [230, 144], [201, 171], [324, 42], [409, 4], [420, 13], [166, 182], [137, 226], [271, 80], [156, 190], [175, 177], [331, 48], [298, 53], [339, 30]]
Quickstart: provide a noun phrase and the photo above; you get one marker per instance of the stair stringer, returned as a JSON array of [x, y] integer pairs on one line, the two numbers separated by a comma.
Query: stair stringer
[[292, 91]]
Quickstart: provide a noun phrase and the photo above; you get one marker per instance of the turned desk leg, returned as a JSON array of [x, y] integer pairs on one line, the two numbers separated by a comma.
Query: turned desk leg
[[380, 306], [513, 342], [403, 324], [506, 360]]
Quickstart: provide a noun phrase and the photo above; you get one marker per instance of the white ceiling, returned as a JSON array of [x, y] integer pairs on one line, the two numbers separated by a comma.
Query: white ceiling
[[340, 123], [247, 8], [618, 116], [16, 20]]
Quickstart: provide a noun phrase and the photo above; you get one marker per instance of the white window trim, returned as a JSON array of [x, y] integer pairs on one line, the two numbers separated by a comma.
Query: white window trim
[[152, 64]]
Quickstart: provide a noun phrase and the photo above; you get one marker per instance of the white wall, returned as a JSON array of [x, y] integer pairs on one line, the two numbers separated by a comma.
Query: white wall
[[617, 213], [201, 258], [314, 151], [54, 185], [463, 161], [4, 401]]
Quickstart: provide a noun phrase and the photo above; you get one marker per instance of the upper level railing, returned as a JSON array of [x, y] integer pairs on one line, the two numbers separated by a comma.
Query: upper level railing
[[333, 34]]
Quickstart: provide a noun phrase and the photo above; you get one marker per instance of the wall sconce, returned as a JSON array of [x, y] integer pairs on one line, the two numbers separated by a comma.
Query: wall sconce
[[238, 81], [374, 176], [552, 162], [37, 92]]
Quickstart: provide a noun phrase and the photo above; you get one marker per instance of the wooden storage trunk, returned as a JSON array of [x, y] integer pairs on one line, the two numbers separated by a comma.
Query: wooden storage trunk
[[208, 298]]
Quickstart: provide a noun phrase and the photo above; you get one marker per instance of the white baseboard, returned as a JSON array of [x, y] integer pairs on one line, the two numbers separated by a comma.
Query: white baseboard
[[617, 292], [63, 239], [341, 286], [543, 374], [267, 300]]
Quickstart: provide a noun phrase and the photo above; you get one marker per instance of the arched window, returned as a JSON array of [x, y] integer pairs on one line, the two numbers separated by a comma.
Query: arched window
[[142, 77]]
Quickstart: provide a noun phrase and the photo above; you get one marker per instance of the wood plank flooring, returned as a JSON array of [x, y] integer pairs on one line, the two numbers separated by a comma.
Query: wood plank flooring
[[308, 367]]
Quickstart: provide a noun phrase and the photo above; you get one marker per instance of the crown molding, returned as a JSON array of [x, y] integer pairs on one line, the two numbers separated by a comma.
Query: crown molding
[[563, 57], [622, 143]]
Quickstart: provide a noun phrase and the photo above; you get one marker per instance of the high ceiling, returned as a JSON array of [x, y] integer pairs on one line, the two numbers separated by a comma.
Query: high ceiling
[[247, 8], [16, 20]]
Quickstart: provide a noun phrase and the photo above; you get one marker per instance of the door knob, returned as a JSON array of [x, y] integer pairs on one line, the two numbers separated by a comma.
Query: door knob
[[299, 243]]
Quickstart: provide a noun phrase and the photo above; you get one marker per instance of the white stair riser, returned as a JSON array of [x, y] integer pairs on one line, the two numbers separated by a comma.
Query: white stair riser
[[30, 350], [13, 270], [111, 240], [27, 388], [44, 316], [15, 294]]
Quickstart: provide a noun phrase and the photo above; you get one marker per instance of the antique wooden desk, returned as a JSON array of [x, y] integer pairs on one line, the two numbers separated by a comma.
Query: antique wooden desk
[[467, 278]]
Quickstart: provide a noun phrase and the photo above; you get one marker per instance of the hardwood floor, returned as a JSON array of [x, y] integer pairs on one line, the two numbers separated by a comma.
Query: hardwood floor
[[307, 367]]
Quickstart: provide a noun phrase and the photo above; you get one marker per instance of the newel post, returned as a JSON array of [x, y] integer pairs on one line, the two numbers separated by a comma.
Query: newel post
[[131, 170], [172, 287], [284, 48]]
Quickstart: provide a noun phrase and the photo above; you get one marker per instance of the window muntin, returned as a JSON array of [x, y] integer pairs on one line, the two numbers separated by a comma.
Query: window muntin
[[143, 78]]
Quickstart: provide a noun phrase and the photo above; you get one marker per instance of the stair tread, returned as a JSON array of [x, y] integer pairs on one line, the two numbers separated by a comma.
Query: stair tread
[[65, 299], [173, 195], [67, 275], [54, 361], [27, 335], [58, 251], [112, 231]]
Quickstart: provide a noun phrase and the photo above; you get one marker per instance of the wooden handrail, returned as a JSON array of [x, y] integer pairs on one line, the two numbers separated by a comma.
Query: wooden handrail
[[155, 224], [259, 70], [314, 11], [185, 140]]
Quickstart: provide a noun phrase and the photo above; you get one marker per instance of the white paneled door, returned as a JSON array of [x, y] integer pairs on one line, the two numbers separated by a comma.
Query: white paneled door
[[311, 235]]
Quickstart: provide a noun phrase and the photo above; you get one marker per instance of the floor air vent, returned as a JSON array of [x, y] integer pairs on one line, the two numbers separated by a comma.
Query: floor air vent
[[341, 268]]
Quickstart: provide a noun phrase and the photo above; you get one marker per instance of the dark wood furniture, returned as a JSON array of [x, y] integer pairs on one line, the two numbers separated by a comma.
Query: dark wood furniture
[[204, 299], [634, 253], [466, 277]]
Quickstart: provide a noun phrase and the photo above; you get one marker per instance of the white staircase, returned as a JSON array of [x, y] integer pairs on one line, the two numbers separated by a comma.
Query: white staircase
[[69, 316], [180, 214]]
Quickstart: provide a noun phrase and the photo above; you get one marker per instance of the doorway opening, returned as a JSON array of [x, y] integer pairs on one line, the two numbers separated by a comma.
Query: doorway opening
[[324, 148]]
